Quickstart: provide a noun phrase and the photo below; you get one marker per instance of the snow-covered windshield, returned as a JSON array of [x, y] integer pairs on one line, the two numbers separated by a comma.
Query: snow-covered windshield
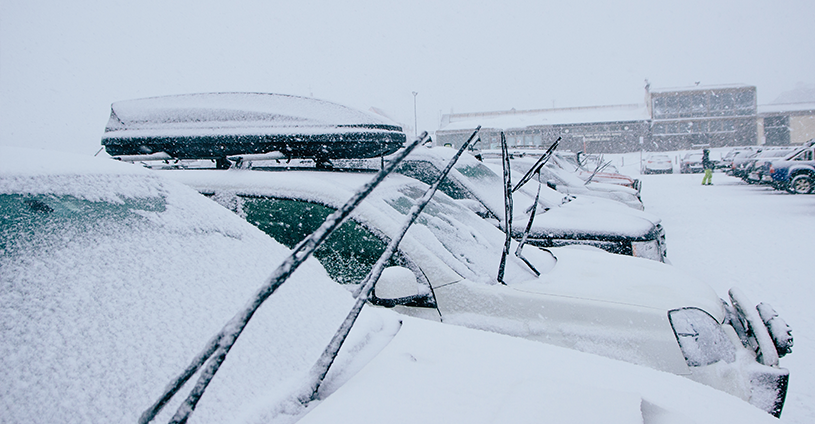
[[774, 153], [112, 280]]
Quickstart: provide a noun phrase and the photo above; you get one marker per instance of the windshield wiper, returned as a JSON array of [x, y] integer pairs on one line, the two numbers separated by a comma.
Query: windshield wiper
[[320, 368], [536, 169], [214, 353]]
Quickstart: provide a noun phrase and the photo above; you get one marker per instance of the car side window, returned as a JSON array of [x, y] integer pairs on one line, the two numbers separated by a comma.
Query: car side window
[[806, 155], [427, 173], [348, 254]]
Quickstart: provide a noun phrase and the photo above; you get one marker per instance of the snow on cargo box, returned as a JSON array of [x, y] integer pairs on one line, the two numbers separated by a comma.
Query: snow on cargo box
[[218, 125]]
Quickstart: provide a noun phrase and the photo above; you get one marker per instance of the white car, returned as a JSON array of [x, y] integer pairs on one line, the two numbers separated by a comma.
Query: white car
[[626, 308], [567, 181], [657, 164]]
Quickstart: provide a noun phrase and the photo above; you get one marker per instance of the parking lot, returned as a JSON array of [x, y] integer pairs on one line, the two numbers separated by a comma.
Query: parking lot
[[753, 237]]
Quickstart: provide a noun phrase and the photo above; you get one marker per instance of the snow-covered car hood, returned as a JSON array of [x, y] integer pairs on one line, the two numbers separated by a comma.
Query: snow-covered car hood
[[434, 373], [588, 273]]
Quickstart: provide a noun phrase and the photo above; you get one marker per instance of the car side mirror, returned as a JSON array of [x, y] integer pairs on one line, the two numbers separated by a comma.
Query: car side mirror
[[396, 282], [398, 286]]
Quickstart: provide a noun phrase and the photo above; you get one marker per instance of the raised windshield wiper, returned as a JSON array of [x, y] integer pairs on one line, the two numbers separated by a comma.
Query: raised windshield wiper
[[536, 169], [320, 368], [215, 351]]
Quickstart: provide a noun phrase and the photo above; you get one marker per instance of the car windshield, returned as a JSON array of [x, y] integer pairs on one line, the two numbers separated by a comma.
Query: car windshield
[[145, 271], [32, 223]]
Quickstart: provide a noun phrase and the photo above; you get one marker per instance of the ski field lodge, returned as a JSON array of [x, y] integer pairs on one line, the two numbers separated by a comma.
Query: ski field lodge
[[669, 119]]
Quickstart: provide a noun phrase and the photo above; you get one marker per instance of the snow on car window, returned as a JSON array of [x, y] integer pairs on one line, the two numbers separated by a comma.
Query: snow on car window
[[468, 244], [30, 222], [111, 293]]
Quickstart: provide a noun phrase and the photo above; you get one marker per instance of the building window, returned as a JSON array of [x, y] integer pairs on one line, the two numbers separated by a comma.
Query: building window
[[776, 130], [699, 105]]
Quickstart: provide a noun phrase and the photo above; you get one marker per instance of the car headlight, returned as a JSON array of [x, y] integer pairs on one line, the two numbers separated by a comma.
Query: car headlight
[[701, 338], [647, 249]]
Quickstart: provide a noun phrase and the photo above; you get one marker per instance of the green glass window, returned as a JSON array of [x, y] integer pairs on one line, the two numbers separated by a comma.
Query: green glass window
[[348, 254], [427, 173]]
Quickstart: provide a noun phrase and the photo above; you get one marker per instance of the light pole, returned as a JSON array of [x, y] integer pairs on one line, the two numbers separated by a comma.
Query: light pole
[[415, 124]]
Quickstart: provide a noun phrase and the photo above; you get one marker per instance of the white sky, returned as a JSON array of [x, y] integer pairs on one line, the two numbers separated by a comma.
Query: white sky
[[63, 63]]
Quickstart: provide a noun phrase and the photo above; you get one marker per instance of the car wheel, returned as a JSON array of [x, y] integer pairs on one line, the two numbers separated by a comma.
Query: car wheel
[[801, 184]]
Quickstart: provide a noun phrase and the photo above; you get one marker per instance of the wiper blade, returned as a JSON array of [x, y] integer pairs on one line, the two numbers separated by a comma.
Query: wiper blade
[[320, 368], [214, 353], [536, 168]]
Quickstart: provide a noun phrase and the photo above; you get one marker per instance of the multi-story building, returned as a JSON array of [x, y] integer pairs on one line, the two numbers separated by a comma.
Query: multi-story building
[[670, 119], [684, 118]]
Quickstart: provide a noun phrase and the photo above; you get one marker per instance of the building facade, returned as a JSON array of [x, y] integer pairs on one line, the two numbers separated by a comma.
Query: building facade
[[687, 118], [670, 119], [785, 124], [596, 129]]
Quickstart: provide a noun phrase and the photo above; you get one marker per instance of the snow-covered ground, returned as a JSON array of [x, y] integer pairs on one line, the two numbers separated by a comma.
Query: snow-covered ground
[[753, 237]]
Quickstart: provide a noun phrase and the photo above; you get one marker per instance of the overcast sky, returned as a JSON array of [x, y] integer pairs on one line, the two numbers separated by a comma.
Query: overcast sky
[[63, 63]]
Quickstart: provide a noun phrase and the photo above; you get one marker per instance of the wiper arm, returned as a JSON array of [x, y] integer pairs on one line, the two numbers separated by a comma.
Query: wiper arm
[[320, 369], [214, 353]]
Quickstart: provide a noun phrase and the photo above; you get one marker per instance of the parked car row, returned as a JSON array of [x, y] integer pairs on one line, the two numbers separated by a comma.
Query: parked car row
[[789, 168], [116, 261]]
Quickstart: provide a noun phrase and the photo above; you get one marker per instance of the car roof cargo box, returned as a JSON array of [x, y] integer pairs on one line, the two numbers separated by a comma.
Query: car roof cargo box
[[219, 125]]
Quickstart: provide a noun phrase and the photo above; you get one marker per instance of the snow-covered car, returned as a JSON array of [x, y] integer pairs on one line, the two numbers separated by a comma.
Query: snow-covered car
[[727, 160], [600, 171], [560, 220], [112, 279], [438, 374], [691, 163], [568, 183], [741, 163], [657, 164], [758, 167], [446, 269]]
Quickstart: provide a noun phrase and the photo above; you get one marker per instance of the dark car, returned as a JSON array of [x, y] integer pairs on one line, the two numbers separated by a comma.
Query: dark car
[[691, 163], [758, 167], [796, 172]]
